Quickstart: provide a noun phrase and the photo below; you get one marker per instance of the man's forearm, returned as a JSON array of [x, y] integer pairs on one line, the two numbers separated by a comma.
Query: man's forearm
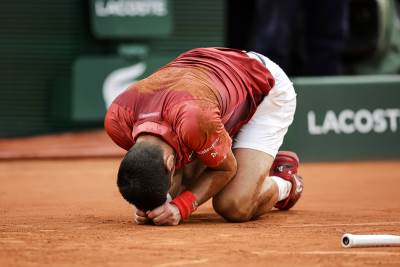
[[210, 183], [212, 180]]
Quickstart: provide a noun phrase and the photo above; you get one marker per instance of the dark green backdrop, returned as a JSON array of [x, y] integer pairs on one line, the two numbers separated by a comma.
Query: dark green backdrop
[[40, 41]]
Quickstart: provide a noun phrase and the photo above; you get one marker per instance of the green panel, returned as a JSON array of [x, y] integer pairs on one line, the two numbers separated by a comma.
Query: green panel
[[131, 18], [346, 118], [97, 80]]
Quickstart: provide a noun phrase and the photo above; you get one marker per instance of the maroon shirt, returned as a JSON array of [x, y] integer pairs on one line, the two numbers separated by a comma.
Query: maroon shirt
[[196, 103]]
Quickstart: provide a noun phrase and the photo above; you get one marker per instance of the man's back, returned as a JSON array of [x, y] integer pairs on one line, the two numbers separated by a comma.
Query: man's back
[[192, 100]]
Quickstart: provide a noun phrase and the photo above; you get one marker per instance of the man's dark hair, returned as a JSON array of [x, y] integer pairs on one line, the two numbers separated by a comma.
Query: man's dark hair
[[143, 179]]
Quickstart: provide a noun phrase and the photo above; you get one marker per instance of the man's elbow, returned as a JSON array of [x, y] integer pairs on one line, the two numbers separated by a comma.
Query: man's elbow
[[230, 166]]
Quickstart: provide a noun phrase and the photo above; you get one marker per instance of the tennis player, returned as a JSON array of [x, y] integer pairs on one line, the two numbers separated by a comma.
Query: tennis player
[[207, 125]]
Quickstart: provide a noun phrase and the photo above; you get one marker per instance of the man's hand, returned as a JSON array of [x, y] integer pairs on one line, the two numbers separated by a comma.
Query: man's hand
[[166, 214], [141, 217]]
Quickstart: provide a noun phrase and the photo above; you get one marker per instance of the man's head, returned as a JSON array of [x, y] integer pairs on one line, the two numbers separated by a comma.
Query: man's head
[[144, 175]]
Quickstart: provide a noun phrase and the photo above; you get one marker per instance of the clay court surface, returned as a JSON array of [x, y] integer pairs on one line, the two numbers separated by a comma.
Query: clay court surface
[[66, 211]]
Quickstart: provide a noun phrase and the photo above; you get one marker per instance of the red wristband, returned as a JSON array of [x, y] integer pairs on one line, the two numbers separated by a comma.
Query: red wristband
[[186, 203]]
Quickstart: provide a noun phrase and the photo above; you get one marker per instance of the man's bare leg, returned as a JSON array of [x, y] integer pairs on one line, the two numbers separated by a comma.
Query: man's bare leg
[[250, 193]]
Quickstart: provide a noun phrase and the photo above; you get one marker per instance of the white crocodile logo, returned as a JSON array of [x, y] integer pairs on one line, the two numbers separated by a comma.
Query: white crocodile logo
[[118, 80]]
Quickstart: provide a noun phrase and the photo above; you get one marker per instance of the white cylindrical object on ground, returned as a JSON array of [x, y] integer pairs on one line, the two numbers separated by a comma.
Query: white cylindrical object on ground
[[352, 241]]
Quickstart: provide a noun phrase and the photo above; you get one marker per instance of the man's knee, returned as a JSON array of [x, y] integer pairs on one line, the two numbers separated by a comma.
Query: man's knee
[[233, 209]]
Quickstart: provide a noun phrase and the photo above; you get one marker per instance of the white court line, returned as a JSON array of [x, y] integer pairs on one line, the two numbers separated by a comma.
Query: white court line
[[340, 224], [333, 252], [183, 262]]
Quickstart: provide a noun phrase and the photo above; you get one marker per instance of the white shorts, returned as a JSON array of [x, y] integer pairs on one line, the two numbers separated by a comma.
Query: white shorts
[[266, 129]]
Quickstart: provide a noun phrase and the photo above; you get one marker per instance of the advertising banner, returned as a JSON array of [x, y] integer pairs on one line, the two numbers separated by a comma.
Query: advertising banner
[[346, 118], [131, 18]]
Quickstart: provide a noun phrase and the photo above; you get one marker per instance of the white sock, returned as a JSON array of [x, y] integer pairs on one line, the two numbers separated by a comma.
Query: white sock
[[284, 187]]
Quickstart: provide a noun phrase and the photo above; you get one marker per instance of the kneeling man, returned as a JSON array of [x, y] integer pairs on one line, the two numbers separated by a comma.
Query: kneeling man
[[207, 125]]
